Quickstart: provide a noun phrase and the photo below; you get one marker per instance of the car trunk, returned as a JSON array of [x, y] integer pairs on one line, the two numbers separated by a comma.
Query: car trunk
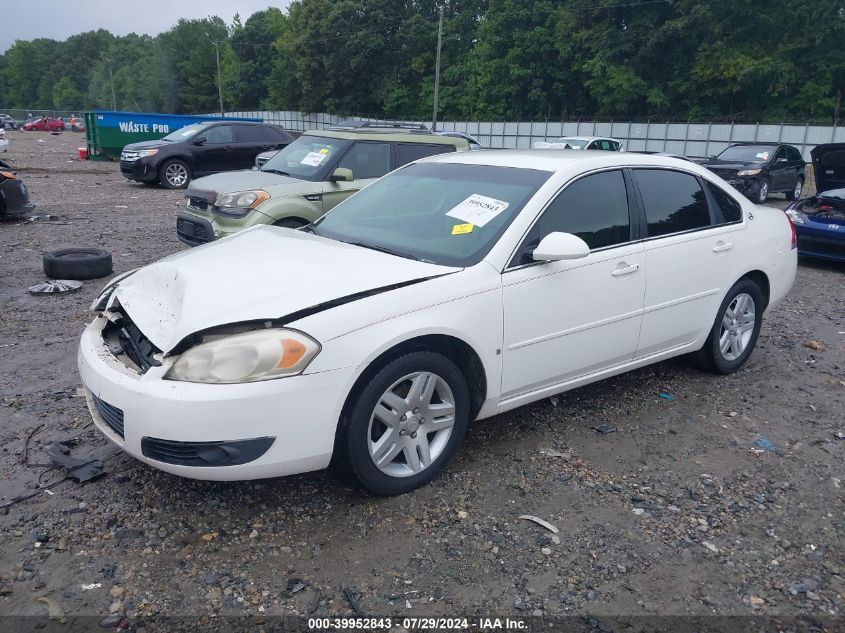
[[829, 166]]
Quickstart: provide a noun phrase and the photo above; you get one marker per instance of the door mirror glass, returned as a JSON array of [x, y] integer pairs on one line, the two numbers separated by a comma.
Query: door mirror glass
[[342, 174], [560, 246]]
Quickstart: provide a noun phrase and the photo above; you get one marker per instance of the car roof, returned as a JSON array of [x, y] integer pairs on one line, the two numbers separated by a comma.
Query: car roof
[[557, 160], [390, 135], [762, 143], [362, 123], [589, 138]]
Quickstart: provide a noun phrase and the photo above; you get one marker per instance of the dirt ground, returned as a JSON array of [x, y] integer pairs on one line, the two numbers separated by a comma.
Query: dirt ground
[[724, 499]]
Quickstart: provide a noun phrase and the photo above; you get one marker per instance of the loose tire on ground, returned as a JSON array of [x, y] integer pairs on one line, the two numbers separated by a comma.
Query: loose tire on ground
[[359, 433], [712, 356], [77, 263]]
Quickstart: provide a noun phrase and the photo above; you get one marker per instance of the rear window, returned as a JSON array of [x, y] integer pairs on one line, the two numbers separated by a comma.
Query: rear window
[[407, 152], [730, 208], [674, 201]]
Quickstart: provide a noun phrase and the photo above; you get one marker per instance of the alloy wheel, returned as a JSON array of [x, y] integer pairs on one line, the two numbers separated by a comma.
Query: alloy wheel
[[798, 187], [764, 191], [411, 424], [176, 174], [737, 326]]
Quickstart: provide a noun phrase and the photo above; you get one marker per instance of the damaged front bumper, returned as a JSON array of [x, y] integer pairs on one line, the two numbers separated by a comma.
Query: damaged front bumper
[[241, 431]]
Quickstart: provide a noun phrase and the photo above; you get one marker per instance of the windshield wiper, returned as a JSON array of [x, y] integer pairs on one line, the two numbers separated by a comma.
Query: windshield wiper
[[277, 171]]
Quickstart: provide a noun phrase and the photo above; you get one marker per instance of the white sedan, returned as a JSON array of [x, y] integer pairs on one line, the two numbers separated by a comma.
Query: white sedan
[[601, 143], [449, 291]]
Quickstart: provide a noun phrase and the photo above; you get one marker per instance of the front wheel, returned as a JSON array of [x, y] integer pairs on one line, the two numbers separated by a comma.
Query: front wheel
[[175, 174], [735, 331], [763, 192], [406, 423]]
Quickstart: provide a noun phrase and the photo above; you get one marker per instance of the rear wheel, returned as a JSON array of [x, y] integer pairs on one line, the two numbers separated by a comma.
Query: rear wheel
[[735, 330], [796, 191], [406, 423], [175, 174]]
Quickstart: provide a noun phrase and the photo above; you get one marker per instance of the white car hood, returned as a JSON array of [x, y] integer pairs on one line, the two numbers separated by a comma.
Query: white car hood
[[262, 273]]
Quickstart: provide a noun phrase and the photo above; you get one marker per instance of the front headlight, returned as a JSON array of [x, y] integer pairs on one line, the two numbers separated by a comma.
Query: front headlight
[[239, 201], [748, 172], [795, 216], [142, 153], [248, 357]]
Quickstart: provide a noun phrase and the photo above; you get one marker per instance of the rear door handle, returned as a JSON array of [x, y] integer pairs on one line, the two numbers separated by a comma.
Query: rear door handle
[[625, 269], [721, 246]]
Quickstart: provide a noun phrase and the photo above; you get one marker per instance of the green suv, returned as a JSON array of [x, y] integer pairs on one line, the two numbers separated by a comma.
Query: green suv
[[302, 182]]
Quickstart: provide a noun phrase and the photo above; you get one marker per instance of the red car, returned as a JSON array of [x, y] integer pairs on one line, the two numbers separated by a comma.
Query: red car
[[42, 124]]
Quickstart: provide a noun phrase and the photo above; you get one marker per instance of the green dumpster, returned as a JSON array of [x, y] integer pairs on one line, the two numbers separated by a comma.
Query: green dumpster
[[108, 132]]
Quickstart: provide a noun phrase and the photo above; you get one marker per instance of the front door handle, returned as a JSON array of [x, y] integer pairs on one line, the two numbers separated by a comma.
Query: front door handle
[[625, 269], [721, 246]]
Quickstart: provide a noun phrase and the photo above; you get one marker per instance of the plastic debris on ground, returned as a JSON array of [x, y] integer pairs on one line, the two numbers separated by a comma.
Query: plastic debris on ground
[[81, 470], [764, 443], [604, 429], [667, 396], [541, 522]]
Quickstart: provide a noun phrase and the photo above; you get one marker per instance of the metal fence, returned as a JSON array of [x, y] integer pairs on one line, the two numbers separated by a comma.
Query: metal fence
[[693, 139]]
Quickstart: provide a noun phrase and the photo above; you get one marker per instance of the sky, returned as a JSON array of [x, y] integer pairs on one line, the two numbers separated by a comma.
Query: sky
[[58, 19]]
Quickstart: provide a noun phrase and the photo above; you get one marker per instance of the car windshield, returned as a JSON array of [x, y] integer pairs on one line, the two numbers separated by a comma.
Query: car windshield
[[444, 213], [574, 143], [748, 153], [184, 133], [308, 157]]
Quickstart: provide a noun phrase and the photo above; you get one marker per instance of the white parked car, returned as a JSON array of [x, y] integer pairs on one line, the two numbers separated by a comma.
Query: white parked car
[[451, 290], [4, 142], [582, 142]]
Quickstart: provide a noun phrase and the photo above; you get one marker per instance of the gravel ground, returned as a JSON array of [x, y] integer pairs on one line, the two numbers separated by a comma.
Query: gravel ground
[[677, 512]]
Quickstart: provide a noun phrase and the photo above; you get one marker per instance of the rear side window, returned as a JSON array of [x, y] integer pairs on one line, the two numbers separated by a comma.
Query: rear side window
[[595, 208], [674, 201], [794, 154], [406, 152], [250, 134], [731, 209]]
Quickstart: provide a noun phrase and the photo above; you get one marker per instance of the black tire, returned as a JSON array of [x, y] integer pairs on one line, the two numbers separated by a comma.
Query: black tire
[[170, 180], [353, 443], [291, 223], [77, 263], [796, 191], [763, 192], [710, 356]]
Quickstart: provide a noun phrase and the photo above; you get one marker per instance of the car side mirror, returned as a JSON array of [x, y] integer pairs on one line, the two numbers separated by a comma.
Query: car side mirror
[[342, 174], [198, 141], [560, 246]]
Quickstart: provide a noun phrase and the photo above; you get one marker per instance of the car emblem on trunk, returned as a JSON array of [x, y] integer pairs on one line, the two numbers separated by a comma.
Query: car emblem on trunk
[[833, 226]]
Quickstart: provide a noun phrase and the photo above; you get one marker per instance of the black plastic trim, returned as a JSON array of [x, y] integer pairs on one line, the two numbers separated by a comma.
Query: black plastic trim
[[221, 453]]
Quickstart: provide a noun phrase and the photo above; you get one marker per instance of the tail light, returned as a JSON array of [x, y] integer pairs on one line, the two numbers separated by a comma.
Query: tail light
[[794, 237]]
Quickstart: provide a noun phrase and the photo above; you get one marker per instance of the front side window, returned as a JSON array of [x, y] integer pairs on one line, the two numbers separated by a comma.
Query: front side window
[[674, 201], [731, 209], [448, 214], [219, 134], [367, 160], [595, 208]]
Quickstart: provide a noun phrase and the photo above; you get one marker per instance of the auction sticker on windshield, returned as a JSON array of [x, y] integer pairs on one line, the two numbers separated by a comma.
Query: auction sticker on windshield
[[314, 158], [477, 209]]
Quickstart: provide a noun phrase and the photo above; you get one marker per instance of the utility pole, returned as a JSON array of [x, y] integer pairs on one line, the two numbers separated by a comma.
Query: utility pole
[[219, 80], [111, 81], [437, 71]]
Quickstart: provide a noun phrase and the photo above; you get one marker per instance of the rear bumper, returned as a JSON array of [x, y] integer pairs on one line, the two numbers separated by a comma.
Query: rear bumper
[[821, 244]]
